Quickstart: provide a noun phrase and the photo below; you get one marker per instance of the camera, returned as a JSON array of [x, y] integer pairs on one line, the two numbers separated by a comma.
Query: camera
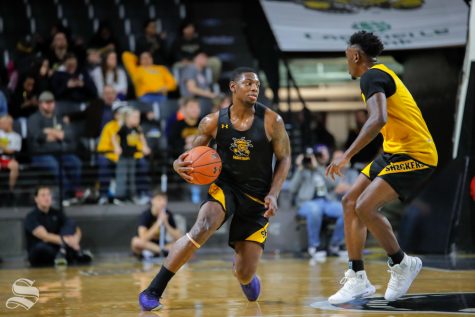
[[307, 159]]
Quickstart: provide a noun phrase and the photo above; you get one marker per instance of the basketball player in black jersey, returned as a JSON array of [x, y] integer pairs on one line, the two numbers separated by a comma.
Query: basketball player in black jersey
[[247, 135]]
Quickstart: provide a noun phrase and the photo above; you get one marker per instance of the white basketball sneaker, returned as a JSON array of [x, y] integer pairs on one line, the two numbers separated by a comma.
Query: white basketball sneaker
[[402, 276], [355, 285]]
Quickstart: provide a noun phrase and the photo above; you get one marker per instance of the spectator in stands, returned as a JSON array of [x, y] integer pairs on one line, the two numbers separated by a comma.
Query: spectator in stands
[[194, 82], [104, 39], [97, 114], [51, 236], [58, 50], [43, 75], [323, 157], [184, 130], [369, 152], [182, 134], [10, 144], [155, 225], [187, 45], [69, 83], [93, 60], [24, 101], [152, 82], [107, 159], [314, 202], [109, 73], [153, 42], [130, 145], [23, 60], [323, 136], [50, 140]]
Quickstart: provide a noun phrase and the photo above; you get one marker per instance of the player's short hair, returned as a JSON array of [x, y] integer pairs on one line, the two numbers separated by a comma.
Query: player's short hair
[[40, 187], [369, 43], [236, 74]]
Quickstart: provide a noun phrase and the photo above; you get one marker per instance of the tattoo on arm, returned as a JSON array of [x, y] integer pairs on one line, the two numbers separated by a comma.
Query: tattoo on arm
[[281, 146], [280, 139], [205, 130]]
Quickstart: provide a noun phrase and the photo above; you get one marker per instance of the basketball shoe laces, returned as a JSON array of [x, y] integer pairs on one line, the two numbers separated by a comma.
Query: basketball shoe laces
[[348, 282], [397, 278]]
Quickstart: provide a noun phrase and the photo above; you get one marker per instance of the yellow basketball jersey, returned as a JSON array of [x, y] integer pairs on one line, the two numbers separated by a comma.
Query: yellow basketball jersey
[[405, 131]]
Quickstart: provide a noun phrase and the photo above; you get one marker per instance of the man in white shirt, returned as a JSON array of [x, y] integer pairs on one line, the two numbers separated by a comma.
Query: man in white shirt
[[10, 143]]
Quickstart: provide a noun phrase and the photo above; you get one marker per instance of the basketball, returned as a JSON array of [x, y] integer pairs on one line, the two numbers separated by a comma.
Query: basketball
[[206, 165]]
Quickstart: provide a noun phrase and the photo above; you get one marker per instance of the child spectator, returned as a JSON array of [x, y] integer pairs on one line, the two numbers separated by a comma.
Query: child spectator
[[110, 74], [10, 143], [155, 225], [107, 159], [130, 141], [152, 82]]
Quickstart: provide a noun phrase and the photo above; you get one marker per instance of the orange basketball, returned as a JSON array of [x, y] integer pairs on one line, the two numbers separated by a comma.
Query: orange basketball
[[206, 164]]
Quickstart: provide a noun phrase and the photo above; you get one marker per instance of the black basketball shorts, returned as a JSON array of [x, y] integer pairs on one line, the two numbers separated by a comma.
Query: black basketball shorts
[[405, 174], [248, 223]]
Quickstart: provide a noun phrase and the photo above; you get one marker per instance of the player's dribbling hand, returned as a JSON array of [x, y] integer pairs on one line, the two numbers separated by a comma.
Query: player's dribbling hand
[[271, 205], [335, 167], [183, 167]]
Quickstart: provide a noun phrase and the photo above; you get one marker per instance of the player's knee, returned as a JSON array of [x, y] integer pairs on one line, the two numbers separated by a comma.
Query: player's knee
[[205, 225], [244, 274], [363, 208], [349, 203]]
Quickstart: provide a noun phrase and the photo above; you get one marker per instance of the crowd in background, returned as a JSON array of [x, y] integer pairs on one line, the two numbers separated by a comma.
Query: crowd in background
[[60, 96]]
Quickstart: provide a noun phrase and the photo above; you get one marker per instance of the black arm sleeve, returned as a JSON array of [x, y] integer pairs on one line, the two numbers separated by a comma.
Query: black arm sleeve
[[374, 81]]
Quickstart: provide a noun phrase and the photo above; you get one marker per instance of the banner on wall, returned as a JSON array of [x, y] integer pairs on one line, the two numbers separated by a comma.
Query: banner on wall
[[326, 25]]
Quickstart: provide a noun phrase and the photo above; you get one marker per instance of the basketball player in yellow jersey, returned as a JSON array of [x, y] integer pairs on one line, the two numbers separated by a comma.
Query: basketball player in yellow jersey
[[408, 160]]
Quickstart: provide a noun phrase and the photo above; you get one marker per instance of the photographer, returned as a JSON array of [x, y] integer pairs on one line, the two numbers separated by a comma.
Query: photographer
[[314, 202]]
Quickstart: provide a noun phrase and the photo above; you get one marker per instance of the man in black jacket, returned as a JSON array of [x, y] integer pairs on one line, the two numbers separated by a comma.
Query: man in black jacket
[[51, 236]]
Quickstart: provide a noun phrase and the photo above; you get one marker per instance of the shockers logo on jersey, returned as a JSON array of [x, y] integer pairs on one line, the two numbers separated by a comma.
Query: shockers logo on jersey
[[26, 295], [241, 149]]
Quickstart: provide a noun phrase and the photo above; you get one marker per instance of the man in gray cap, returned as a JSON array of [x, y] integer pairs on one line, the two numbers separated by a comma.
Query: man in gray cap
[[50, 140]]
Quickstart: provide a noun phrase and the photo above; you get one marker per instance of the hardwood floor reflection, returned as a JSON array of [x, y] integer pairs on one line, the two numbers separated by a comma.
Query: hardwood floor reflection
[[207, 288]]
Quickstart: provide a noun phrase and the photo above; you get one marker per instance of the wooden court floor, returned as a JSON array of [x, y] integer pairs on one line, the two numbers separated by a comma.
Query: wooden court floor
[[206, 288]]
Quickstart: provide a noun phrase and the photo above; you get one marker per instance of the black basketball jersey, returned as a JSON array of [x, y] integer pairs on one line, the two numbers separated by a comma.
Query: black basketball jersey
[[246, 155]]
